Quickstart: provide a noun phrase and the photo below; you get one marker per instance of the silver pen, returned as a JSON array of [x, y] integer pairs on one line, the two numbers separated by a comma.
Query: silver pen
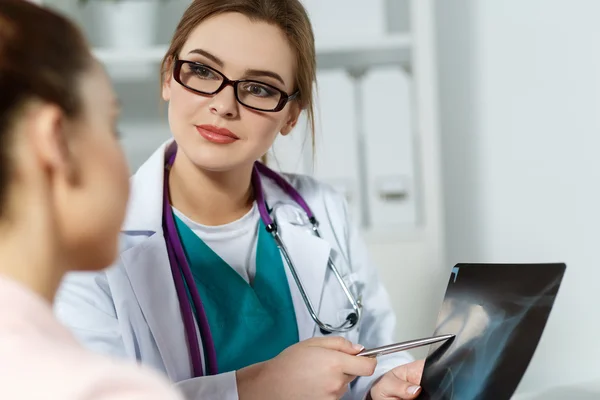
[[411, 344]]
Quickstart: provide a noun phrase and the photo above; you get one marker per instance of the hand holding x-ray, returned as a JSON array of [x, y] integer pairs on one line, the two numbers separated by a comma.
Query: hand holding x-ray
[[402, 382]]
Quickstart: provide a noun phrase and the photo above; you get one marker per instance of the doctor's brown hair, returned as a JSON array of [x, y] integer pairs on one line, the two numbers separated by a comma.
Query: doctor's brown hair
[[42, 56], [289, 15]]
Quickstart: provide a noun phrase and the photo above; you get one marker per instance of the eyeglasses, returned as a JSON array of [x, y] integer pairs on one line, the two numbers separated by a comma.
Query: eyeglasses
[[202, 79]]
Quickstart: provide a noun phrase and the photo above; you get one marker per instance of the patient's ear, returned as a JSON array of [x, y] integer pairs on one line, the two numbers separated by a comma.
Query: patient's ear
[[50, 143]]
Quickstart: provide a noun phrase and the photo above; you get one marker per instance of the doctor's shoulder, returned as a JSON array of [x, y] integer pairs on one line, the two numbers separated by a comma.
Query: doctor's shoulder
[[319, 193], [329, 204]]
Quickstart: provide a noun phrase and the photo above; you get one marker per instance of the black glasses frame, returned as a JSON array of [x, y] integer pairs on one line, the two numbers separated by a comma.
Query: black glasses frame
[[283, 100]]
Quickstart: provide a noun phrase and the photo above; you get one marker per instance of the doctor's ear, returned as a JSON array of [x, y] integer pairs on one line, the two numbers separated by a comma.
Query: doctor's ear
[[49, 139], [167, 77], [292, 118]]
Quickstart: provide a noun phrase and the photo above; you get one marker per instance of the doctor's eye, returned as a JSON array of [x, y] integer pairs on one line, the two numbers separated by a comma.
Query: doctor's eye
[[258, 89], [202, 72]]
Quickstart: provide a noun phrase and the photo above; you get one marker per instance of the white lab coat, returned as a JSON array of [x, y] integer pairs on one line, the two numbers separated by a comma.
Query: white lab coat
[[132, 309]]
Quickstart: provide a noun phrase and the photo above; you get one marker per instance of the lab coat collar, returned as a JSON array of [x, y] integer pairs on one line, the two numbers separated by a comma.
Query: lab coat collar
[[144, 211]]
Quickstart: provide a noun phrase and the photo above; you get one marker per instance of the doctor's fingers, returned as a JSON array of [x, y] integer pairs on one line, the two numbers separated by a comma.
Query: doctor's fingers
[[335, 343]]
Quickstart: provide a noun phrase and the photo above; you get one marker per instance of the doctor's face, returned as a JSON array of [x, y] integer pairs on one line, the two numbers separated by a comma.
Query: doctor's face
[[216, 132]]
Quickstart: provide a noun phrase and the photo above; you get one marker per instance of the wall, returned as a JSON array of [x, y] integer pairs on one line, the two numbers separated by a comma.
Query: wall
[[520, 97]]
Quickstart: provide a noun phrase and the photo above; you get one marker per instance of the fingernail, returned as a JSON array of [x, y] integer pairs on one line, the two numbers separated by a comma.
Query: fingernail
[[413, 389], [358, 347]]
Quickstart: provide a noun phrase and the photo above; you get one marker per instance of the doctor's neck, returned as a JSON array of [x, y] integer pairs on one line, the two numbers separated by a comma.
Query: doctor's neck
[[209, 197]]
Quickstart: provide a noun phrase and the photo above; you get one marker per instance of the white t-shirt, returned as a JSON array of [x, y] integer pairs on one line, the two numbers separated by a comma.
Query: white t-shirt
[[235, 242]]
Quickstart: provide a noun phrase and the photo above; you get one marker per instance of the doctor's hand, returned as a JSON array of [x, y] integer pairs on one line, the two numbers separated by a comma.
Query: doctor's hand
[[316, 369], [400, 383]]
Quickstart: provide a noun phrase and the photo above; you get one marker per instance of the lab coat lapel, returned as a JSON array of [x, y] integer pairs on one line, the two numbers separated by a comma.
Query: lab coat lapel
[[308, 252], [147, 266]]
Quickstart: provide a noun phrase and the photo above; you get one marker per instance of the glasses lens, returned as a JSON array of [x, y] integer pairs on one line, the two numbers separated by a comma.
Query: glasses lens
[[258, 95], [200, 78]]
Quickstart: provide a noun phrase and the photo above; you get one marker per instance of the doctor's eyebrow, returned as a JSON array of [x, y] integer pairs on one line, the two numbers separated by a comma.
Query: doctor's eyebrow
[[208, 55], [258, 72], [248, 72]]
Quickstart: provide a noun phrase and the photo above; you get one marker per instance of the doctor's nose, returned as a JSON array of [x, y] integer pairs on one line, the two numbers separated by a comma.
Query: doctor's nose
[[224, 103]]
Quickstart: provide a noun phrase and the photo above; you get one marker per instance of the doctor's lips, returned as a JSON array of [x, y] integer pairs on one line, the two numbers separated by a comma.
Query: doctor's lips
[[215, 134]]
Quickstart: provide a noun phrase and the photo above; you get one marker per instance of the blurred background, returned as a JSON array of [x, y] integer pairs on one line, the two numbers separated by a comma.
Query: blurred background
[[459, 131]]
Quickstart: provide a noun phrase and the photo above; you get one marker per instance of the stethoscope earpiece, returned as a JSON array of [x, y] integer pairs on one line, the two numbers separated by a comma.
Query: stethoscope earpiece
[[352, 318]]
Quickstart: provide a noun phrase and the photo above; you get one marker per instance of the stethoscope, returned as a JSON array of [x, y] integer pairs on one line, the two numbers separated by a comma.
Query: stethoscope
[[184, 281]]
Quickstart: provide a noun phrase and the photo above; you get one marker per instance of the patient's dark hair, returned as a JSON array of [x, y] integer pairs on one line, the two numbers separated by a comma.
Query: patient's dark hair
[[42, 56]]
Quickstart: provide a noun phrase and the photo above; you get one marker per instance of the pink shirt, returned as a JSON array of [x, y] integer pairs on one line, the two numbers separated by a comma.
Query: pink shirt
[[40, 359]]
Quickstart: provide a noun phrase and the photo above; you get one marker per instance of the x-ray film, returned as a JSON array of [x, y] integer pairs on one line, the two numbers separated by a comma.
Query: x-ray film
[[498, 313]]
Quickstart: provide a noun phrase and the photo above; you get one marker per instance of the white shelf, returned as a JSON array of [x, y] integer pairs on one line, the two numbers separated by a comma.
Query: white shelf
[[365, 52], [125, 56], [362, 52]]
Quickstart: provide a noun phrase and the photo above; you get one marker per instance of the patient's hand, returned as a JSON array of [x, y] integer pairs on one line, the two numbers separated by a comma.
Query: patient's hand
[[400, 383]]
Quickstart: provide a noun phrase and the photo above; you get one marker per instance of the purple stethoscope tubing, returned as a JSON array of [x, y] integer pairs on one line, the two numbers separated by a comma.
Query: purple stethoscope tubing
[[179, 267], [182, 274]]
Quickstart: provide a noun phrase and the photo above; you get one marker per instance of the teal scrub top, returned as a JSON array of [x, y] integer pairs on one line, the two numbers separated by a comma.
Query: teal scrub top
[[248, 323]]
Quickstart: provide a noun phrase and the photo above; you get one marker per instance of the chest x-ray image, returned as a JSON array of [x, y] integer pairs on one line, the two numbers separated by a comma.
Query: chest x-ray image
[[498, 313]]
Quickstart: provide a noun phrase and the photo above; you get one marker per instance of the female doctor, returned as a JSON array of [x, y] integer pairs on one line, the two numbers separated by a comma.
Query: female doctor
[[224, 284]]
